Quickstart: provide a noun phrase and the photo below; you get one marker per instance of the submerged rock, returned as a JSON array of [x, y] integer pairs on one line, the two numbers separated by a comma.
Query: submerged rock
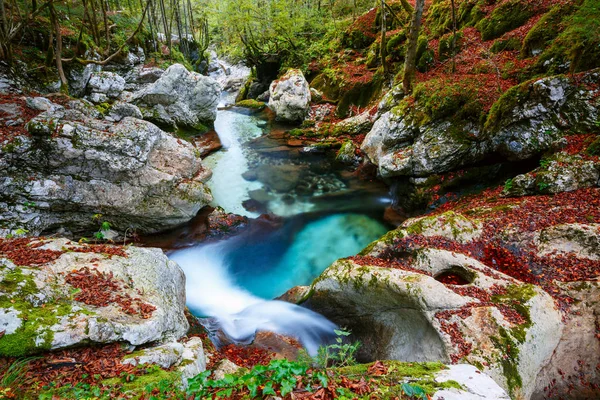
[[73, 167], [289, 97], [184, 98], [87, 294]]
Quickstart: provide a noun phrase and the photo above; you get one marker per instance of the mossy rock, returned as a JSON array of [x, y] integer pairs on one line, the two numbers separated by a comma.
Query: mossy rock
[[546, 29], [440, 99], [445, 49], [594, 148], [510, 44], [506, 17], [577, 47], [252, 104], [505, 104], [439, 17]]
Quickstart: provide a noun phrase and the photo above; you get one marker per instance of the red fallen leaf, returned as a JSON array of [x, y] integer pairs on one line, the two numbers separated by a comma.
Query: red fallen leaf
[[2, 334], [377, 369]]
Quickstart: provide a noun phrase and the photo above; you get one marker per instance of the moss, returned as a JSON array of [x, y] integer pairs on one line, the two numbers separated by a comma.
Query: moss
[[506, 17], [439, 16], [509, 360], [545, 30], [578, 45], [19, 288], [440, 99], [509, 44], [422, 374], [594, 148], [103, 108], [445, 45], [252, 104], [505, 104]]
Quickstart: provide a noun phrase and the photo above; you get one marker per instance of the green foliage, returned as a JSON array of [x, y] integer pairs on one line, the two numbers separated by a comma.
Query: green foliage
[[507, 16], [594, 148], [439, 16], [508, 185], [339, 354], [445, 45], [262, 380], [12, 378], [414, 391]]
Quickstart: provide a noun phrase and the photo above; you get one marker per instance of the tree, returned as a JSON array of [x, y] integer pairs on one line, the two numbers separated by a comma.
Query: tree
[[410, 63]]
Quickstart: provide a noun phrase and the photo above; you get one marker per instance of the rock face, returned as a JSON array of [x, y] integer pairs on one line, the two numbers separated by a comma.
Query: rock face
[[289, 97], [187, 357], [424, 293], [74, 166], [105, 85], [87, 293], [180, 98], [524, 123]]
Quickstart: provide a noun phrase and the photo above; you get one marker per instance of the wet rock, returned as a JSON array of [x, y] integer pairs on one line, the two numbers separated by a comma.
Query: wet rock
[[260, 195], [251, 175], [51, 317], [73, 167], [280, 178], [187, 98], [290, 97], [208, 143], [347, 154]]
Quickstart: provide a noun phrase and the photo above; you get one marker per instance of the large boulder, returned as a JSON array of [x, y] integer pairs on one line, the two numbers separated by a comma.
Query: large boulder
[[57, 293], [180, 99], [413, 138], [73, 167], [495, 285], [289, 97]]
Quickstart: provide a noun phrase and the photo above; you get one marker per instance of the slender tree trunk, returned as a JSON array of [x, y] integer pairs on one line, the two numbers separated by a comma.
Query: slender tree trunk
[[64, 84], [453, 37], [106, 27], [411, 51], [383, 50]]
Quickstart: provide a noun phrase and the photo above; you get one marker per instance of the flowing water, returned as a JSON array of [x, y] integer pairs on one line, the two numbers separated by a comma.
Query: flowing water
[[325, 213]]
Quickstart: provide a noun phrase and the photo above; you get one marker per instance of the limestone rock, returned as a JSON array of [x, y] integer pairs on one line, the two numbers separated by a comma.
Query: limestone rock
[[73, 167], [52, 317], [289, 97], [187, 98], [121, 110], [106, 83], [476, 385], [224, 367]]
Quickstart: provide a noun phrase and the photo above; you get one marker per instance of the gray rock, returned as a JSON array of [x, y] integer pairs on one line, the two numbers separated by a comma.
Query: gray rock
[[289, 97], [121, 110], [39, 103], [475, 384], [145, 274], [560, 173], [347, 154], [187, 98], [106, 83], [74, 167]]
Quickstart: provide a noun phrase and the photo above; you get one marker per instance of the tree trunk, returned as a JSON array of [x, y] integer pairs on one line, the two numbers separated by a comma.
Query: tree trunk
[[383, 50], [453, 37], [64, 84], [411, 51]]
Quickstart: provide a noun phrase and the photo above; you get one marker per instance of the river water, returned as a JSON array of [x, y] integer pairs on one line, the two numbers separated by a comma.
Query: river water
[[325, 213]]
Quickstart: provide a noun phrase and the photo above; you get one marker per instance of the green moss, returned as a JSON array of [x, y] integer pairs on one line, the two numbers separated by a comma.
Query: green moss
[[252, 104], [509, 360], [594, 148], [546, 29], [579, 42], [509, 44], [439, 16], [439, 99], [103, 108], [505, 104], [18, 289], [506, 17], [446, 43], [422, 374]]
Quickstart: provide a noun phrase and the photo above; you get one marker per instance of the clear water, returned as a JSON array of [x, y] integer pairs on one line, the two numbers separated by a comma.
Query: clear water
[[234, 280]]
